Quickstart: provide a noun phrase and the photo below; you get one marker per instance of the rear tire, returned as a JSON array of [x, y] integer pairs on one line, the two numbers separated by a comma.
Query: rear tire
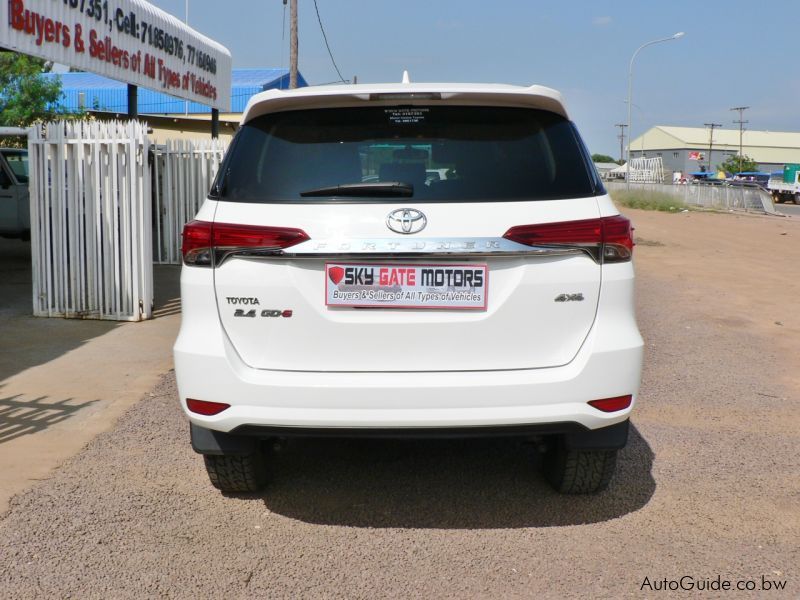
[[572, 471], [237, 473]]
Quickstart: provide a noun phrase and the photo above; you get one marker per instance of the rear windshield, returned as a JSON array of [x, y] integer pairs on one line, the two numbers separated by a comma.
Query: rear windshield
[[438, 154]]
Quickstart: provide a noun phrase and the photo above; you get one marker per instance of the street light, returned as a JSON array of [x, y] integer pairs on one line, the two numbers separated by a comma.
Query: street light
[[677, 36]]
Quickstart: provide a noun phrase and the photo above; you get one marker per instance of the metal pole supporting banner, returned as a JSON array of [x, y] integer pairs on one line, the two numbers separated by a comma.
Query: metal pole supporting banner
[[133, 101], [214, 123]]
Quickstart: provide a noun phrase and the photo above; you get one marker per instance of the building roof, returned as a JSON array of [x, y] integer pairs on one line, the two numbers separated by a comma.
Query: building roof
[[607, 166], [762, 146], [101, 93]]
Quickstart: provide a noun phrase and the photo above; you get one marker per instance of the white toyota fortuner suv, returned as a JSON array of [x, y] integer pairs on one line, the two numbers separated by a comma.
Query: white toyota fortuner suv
[[331, 287]]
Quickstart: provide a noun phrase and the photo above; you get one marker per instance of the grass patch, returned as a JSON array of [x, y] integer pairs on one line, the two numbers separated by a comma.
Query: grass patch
[[647, 200]]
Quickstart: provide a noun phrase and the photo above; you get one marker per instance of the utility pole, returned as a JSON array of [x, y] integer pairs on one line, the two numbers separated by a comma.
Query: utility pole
[[621, 137], [741, 123], [711, 141], [185, 20], [293, 44]]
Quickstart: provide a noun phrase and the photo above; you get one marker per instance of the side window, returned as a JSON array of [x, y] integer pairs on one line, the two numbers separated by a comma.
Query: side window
[[18, 163], [5, 180]]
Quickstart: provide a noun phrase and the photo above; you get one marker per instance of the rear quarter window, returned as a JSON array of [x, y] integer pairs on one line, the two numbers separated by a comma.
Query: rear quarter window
[[445, 153]]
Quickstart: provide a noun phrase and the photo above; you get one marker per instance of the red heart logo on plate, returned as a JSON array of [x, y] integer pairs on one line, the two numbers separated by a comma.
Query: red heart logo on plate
[[336, 274]]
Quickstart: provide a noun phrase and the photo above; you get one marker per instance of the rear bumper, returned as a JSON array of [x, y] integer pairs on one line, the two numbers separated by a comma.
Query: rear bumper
[[608, 364], [245, 439]]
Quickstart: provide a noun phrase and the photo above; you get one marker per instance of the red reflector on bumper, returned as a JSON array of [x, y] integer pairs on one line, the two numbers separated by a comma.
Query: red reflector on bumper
[[612, 404], [203, 407]]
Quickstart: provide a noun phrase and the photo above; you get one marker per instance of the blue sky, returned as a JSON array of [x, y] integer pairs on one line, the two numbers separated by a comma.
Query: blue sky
[[734, 52]]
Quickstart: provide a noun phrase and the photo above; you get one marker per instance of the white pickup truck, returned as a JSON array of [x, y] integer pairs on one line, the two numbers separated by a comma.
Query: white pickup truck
[[785, 186], [15, 215]]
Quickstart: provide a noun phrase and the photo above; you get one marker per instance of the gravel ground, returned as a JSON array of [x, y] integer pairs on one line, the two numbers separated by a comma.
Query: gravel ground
[[707, 487]]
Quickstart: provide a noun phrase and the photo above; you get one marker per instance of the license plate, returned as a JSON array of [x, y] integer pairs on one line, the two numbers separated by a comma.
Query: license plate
[[445, 286]]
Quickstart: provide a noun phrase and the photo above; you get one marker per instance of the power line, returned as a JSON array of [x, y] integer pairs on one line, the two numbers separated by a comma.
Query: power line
[[712, 126], [621, 137], [741, 123], [283, 38], [325, 37], [293, 44]]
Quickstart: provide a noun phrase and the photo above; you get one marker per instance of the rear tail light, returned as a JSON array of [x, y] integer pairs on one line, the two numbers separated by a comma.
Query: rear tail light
[[196, 247], [612, 404], [617, 239], [201, 239], [204, 407], [611, 237]]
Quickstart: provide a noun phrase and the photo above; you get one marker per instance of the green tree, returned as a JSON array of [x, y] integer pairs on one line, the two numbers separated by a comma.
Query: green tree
[[25, 96], [603, 158], [737, 164]]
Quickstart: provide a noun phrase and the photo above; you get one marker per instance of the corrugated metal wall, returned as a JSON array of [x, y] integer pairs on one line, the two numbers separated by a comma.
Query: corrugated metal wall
[[100, 93]]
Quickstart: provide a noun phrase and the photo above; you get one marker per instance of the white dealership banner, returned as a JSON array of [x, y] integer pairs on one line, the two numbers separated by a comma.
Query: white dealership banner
[[126, 40]]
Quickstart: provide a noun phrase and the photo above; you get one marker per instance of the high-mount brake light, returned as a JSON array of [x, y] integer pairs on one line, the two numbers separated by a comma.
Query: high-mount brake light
[[201, 238], [612, 236], [406, 96]]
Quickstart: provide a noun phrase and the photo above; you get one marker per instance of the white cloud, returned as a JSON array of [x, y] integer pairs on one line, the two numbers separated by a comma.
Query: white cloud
[[602, 21]]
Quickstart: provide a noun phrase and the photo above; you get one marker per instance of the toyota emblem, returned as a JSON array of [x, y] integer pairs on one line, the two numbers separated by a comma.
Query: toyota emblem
[[406, 220]]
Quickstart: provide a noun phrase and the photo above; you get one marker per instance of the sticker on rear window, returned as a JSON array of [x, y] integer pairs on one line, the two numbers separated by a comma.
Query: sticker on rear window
[[406, 116], [406, 286]]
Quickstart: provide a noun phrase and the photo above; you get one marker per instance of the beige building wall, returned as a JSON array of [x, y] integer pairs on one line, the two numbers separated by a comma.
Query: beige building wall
[[762, 146]]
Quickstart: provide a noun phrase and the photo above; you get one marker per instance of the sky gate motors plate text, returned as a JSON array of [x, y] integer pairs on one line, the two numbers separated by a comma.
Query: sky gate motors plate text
[[443, 286]]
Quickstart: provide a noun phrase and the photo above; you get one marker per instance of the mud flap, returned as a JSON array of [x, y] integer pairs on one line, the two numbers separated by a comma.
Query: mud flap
[[612, 437], [208, 441]]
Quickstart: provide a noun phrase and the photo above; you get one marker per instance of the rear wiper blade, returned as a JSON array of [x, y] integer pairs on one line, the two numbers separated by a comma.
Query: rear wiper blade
[[378, 188]]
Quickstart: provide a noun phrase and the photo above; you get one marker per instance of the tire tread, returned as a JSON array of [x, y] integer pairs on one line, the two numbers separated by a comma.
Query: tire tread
[[580, 471], [236, 473]]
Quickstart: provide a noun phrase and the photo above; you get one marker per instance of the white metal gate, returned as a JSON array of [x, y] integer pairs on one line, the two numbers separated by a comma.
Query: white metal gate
[[742, 196], [91, 224], [183, 171]]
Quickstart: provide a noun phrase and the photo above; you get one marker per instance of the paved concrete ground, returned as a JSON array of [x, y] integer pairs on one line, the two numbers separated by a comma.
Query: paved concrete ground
[[707, 487], [63, 381], [788, 209]]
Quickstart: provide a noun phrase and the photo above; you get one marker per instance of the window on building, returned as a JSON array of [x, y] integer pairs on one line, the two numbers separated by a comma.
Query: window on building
[[675, 154]]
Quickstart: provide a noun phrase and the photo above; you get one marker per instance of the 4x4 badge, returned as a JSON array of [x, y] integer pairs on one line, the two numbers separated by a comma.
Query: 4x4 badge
[[569, 297], [406, 220]]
